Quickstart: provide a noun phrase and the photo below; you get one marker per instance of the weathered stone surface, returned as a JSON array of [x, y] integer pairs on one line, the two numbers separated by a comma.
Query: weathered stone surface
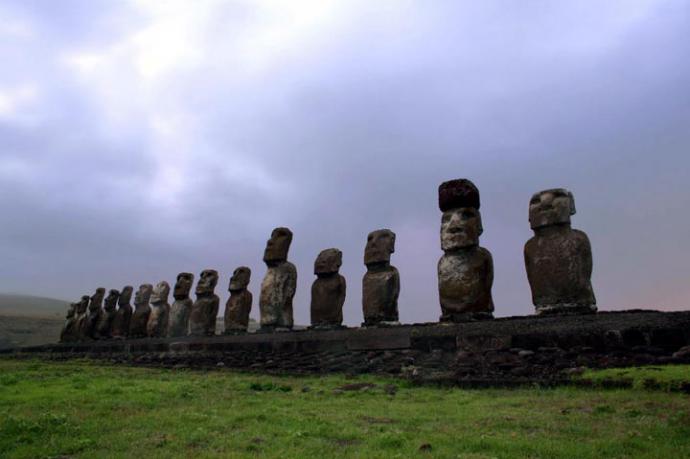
[[69, 332], [279, 284], [558, 258], [328, 290], [157, 324], [105, 322], [81, 316], [142, 309], [381, 283], [465, 271], [202, 320], [94, 314], [120, 327], [239, 305], [178, 321]]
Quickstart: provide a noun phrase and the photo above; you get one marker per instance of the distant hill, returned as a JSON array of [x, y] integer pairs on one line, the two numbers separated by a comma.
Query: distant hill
[[30, 320], [32, 306]]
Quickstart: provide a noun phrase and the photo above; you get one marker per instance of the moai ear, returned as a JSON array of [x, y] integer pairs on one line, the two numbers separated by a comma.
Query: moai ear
[[479, 222], [572, 203], [392, 242]]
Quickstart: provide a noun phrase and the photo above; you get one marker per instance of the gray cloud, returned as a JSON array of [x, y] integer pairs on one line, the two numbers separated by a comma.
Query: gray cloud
[[136, 154]]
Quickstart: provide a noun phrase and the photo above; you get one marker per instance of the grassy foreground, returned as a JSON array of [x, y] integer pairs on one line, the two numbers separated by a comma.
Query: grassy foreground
[[79, 409]]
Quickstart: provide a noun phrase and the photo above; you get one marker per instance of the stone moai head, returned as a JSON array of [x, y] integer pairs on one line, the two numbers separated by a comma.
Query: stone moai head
[[160, 293], [72, 310], [461, 223], [240, 279], [83, 304], [551, 207], [125, 296], [97, 299], [111, 299], [143, 295], [380, 246], [207, 282], [183, 286], [328, 262], [278, 245]]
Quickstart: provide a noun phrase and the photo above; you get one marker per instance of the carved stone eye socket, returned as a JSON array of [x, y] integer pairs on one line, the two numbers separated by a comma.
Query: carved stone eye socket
[[467, 214], [534, 201]]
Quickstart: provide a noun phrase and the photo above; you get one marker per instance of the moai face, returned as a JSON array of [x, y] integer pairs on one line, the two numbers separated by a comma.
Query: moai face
[[97, 299], [72, 310], [160, 293], [240, 278], [83, 304], [143, 295], [126, 295], [551, 207], [460, 228], [328, 261], [111, 299], [183, 285], [207, 282], [380, 246], [278, 245]]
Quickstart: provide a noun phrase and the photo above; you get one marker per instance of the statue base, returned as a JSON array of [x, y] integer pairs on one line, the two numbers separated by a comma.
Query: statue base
[[326, 327], [460, 317], [381, 324], [565, 309]]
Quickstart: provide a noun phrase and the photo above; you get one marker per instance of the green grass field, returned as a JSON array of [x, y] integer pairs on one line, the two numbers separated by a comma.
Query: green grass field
[[80, 409]]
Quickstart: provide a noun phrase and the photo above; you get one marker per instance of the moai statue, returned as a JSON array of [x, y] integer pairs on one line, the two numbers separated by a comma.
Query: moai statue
[[157, 324], [202, 320], [67, 334], [558, 258], [279, 284], [239, 304], [105, 322], [82, 318], [142, 310], [95, 313], [120, 327], [178, 322], [328, 291], [381, 283], [466, 270]]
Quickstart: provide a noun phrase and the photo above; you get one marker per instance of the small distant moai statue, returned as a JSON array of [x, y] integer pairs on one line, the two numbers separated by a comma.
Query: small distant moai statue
[[67, 334], [279, 284], [82, 318], [95, 313], [558, 258], [142, 310], [202, 320], [466, 270], [157, 324], [381, 283], [105, 322], [239, 304], [328, 291], [178, 322], [123, 316]]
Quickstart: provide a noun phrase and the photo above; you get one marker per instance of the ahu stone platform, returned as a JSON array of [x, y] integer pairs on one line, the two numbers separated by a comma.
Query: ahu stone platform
[[500, 351]]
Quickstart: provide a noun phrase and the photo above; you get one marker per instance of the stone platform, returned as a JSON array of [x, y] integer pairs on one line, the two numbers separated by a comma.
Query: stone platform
[[501, 351]]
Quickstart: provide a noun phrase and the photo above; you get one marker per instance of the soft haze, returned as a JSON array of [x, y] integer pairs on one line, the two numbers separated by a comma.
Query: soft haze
[[140, 139]]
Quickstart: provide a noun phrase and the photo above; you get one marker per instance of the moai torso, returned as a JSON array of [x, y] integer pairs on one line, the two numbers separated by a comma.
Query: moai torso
[[95, 312], [381, 283], [465, 271], [123, 316], [142, 310], [82, 315], [328, 290], [239, 305], [67, 334], [178, 321], [105, 322], [279, 284], [558, 259], [202, 320], [157, 324]]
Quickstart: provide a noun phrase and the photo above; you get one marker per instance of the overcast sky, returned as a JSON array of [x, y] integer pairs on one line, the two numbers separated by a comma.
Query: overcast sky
[[140, 139]]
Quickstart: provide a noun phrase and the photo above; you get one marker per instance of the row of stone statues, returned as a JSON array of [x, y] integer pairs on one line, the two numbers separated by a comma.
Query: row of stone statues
[[558, 260]]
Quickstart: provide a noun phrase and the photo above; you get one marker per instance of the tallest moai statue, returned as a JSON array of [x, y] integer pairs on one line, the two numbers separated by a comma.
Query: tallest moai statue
[[465, 271], [558, 258], [279, 284]]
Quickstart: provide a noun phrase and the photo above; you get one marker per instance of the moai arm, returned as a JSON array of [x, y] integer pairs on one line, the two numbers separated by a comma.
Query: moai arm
[[489, 276], [343, 291], [397, 284]]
